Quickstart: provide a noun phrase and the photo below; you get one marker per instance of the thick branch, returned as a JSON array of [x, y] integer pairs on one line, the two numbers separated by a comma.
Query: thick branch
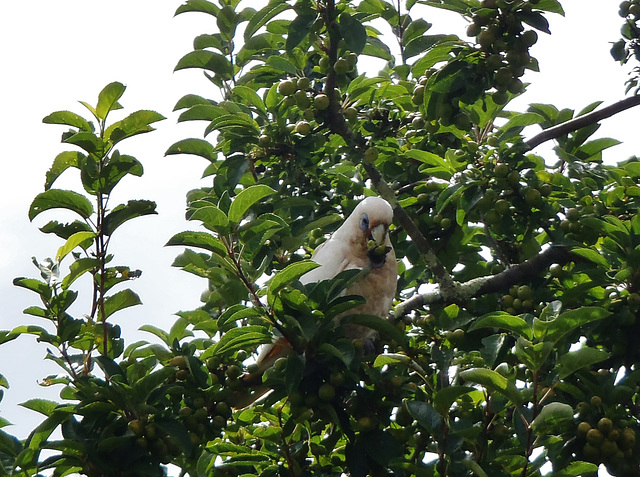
[[489, 284], [582, 121]]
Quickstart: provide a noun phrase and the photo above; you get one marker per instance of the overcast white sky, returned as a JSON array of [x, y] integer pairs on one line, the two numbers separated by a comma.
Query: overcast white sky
[[54, 53]]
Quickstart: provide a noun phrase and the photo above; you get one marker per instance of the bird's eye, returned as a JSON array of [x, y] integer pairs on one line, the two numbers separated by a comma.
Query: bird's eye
[[364, 222]]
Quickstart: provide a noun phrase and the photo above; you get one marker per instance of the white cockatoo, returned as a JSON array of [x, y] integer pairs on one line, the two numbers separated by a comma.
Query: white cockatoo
[[362, 242]]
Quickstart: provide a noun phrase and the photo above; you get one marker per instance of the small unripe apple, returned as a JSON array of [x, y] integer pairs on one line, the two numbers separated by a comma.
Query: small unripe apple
[[321, 102], [326, 392], [350, 113], [595, 437], [303, 128], [583, 429], [303, 83], [341, 66], [286, 88], [371, 154]]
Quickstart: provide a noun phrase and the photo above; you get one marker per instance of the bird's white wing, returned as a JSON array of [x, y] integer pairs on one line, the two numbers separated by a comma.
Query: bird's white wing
[[332, 256]]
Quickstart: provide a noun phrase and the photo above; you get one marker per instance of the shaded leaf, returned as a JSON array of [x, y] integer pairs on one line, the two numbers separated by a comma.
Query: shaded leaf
[[353, 33], [445, 397], [553, 418], [571, 362], [504, 321]]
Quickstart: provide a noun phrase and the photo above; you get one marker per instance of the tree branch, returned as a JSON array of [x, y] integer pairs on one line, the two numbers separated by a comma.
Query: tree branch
[[488, 284], [582, 121]]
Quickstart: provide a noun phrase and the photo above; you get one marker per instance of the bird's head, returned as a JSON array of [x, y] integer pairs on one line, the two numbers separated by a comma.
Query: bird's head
[[374, 216]]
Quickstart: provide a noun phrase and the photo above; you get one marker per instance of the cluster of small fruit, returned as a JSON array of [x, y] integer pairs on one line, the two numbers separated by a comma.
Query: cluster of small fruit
[[506, 182], [313, 395], [298, 92], [606, 441], [203, 414], [504, 42], [520, 299], [149, 437], [342, 66], [316, 237]]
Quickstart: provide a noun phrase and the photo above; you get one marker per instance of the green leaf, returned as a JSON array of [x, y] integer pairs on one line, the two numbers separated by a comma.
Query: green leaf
[[521, 120], [353, 32], [494, 381], [9, 445], [60, 199], [79, 239], [108, 99], [282, 64], [553, 418], [202, 6], [299, 29], [242, 338], [160, 333], [197, 147], [577, 469], [78, 268], [420, 44], [445, 397], [248, 97], [288, 274], [503, 320], [69, 119], [595, 147], [415, 29], [552, 6], [263, 16], [202, 240], [381, 325], [536, 20], [136, 123], [207, 60], [593, 256], [61, 163], [211, 216], [118, 301], [128, 211], [572, 319], [38, 286], [571, 362], [43, 406], [245, 199], [240, 123], [425, 415]]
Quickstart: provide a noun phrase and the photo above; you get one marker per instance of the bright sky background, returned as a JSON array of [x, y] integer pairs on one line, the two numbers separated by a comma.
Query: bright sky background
[[55, 53]]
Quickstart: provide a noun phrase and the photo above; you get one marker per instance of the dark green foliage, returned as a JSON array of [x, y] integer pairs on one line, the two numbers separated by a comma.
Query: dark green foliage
[[514, 338]]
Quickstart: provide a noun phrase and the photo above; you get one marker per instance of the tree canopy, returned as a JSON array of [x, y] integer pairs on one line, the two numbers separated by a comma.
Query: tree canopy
[[512, 347]]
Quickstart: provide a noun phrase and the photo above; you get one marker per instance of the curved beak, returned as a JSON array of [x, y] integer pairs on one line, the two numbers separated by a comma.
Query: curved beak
[[379, 234]]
